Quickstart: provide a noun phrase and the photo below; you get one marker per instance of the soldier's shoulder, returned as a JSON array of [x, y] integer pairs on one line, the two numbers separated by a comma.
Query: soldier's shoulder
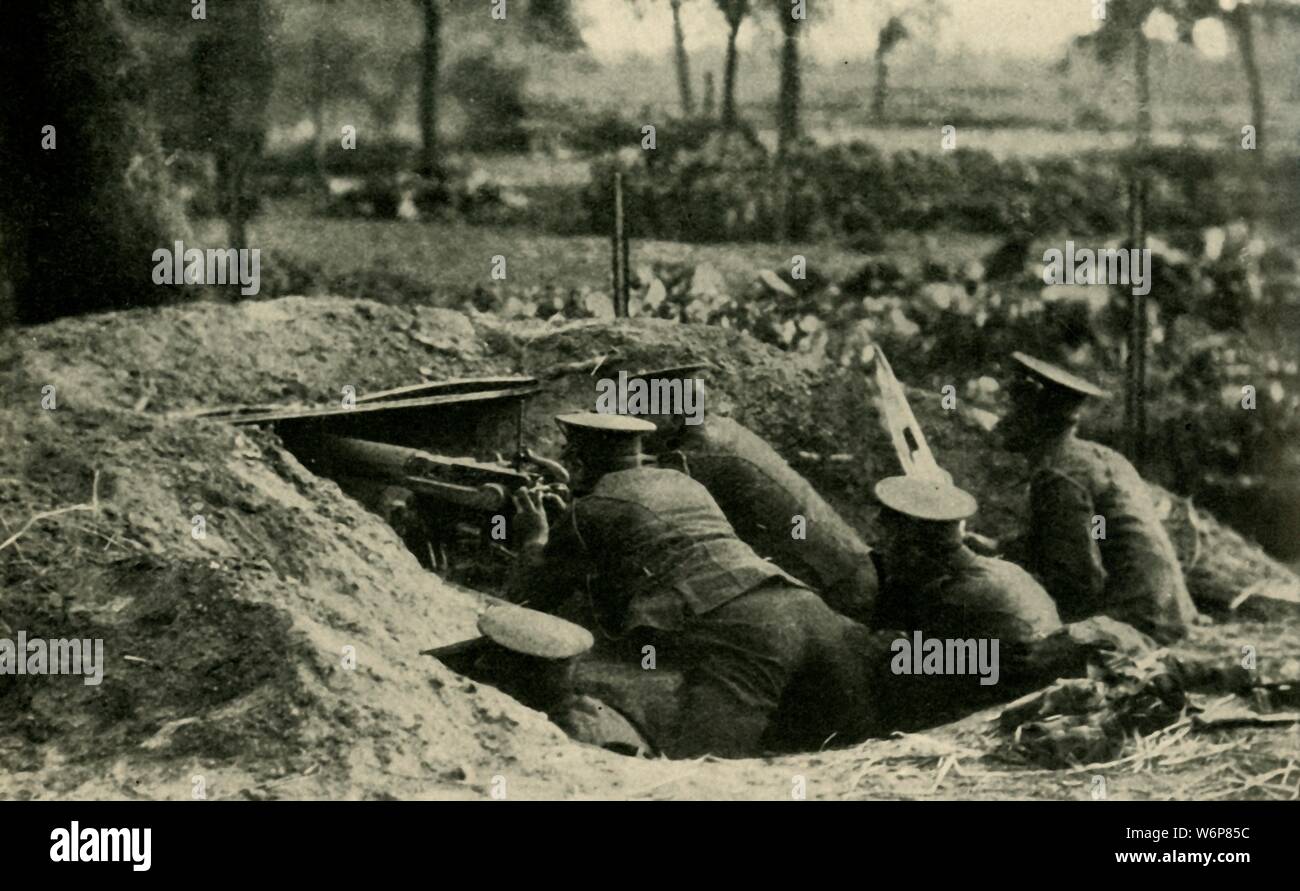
[[733, 448], [721, 431], [1110, 465], [1034, 605], [1004, 574], [1095, 451], [1079, 460], [647, 482], [1002, 587]]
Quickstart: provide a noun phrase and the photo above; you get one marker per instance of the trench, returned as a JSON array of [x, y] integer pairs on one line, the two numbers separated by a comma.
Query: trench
[[456, 545]]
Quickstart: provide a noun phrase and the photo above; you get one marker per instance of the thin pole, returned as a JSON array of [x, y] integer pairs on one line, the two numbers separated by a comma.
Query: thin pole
[[619, 250], [1135, 392]]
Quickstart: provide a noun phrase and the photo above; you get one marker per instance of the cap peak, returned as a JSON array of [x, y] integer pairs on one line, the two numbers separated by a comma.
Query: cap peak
[[534, 633], [925, 499], [605, 423], [1057, 376]]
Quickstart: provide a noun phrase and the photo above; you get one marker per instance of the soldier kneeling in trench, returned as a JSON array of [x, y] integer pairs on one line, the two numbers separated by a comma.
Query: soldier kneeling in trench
[[766, 664], [1093, 537], [760, 494], [938, 589]]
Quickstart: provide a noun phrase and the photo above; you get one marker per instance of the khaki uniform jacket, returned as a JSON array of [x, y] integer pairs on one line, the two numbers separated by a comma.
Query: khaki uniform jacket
[[1132, 574], [965, 596]]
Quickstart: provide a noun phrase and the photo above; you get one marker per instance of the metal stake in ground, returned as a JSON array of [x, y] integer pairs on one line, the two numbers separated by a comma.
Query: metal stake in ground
[[620, 252]]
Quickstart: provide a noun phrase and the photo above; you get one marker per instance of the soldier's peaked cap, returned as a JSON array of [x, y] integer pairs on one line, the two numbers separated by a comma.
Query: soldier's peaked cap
[[925, 499], [606, 426], [522, 630], [534, 633], [1057, 377]]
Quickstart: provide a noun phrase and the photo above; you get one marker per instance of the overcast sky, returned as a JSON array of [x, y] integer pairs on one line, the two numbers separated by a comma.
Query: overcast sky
[[1020, 27]]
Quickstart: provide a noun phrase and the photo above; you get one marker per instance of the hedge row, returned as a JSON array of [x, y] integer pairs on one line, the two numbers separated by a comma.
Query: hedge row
[[729, 188]]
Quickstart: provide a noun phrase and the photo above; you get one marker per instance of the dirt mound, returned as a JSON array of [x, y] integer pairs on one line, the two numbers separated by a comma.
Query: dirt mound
[[232, 648], [232, 588]]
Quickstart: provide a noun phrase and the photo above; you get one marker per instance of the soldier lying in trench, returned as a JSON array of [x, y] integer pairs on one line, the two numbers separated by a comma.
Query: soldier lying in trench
[[760, 494]]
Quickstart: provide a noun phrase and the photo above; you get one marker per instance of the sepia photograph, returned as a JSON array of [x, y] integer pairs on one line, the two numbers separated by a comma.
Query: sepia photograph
[[451, 401]]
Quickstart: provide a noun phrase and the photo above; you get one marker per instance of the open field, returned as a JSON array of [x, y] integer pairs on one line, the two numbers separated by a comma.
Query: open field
[[456, 257]]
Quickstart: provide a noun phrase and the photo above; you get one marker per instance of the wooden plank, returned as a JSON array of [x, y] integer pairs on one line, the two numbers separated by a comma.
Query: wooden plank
[[455, 385], [244, 415]]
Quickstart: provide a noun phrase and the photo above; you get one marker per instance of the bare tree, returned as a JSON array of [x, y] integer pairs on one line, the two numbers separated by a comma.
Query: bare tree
[[1239, 18], [1242, 23], [233, 75], [891, 34], [789, 93], [903, 18], [682, 61], [787, 105], [734, 11], [430, 60]]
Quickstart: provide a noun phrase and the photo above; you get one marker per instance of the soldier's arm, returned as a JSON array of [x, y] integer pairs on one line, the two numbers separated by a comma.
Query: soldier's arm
[[551, 563], [1062, 547]]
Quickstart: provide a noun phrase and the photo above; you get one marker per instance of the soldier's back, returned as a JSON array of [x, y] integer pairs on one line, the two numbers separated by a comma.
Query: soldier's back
[[764, 498], [969, 598], [662, 546], [980, 596], [1144, 583]]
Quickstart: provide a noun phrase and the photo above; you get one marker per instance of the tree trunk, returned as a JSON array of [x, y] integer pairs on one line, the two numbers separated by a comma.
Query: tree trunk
[[1244, 25], [429, 87], [683, 61], [233, 69], [787, 117], [316, 103], [253, 63], [881, 87], [237, 221], [1142, 61], [80, 221], [788, 98], [729, 76]]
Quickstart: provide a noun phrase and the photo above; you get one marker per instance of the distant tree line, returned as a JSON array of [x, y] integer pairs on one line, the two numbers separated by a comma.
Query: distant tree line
[[85, 188]]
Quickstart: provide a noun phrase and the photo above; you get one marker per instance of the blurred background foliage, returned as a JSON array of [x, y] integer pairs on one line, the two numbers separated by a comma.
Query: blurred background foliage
[[477, 136]]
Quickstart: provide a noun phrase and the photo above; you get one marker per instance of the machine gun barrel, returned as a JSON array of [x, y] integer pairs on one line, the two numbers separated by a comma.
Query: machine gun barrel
[[486, 497], [462, 481]]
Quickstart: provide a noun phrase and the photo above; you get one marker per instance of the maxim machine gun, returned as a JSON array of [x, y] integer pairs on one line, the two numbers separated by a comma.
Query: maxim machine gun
[[401, 453]]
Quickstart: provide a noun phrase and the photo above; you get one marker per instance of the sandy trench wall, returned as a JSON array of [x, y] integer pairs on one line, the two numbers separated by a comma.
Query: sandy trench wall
[[224, 655]]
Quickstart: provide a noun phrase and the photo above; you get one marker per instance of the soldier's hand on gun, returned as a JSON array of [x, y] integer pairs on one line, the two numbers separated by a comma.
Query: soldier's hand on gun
[[531, 524]]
